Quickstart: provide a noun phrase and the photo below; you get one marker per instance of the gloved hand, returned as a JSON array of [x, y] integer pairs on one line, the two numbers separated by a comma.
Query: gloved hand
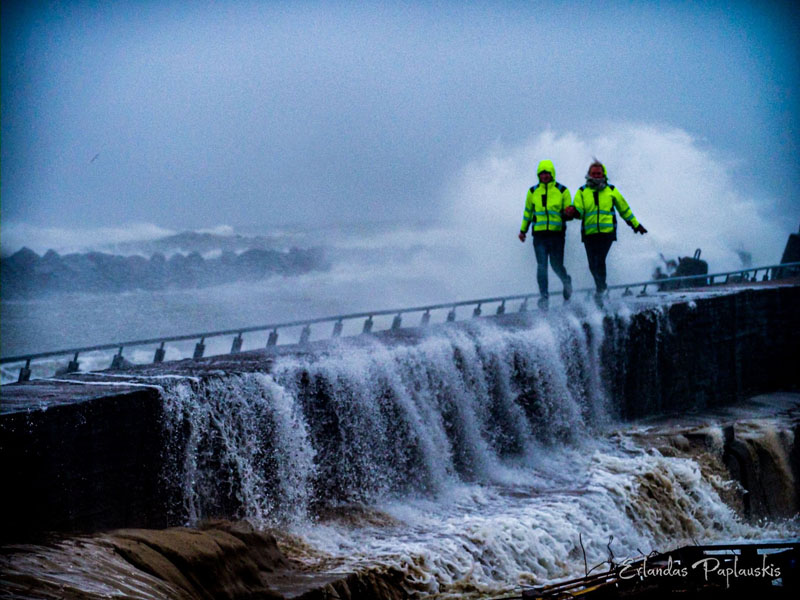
[[571, 213], [521, 236], [640, 229]]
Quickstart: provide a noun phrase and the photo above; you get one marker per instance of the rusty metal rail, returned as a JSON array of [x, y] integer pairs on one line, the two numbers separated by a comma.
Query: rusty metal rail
[[769, 273]]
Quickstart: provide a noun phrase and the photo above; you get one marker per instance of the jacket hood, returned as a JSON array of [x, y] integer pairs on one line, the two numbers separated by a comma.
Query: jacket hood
[[547, 165]]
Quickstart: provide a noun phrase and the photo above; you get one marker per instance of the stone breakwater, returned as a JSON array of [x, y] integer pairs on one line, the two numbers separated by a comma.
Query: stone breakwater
[[27, 275], [85, 456]]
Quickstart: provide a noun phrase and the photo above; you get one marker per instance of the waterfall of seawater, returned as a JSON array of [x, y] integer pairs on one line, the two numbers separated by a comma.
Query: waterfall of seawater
[[473, 459], [367, 422]]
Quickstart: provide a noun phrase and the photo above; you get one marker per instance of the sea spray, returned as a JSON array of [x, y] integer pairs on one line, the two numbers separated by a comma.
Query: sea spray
[[482, 454], [370, 420], [240, 449], [608, 498]]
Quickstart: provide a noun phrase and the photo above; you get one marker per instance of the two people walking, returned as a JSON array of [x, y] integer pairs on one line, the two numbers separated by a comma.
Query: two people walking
[[549, 206]]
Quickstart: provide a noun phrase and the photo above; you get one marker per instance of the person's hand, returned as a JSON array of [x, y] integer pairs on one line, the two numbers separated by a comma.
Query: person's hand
[[640, 229], [521, 236], [571, 212]]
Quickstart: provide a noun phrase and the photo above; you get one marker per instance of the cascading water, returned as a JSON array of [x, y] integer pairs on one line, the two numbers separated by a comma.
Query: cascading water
[[366, 422], [246, 451], [471, 460]]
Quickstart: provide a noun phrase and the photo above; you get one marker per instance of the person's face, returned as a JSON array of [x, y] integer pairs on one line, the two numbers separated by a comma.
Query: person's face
[[545, 177], [596, 172]]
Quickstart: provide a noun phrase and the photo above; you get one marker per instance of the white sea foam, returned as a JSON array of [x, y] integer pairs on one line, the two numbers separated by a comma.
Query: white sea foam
[[428, 458]]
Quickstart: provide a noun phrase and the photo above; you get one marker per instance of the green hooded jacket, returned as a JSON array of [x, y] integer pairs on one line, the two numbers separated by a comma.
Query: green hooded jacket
[[597, 209], [545, 204]]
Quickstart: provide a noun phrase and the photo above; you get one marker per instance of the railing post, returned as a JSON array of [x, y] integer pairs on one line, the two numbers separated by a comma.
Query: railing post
[[305, 334], [501, 310], [199, 349], [524, 306], [160, 352], [627, 292], [117, 362], [337, 328], [236, 345], [367, 325], [397, 321], [273, 338], [426, 318], [644, 290], [74, 365], [477, 312], [451, 316], [25, 372]]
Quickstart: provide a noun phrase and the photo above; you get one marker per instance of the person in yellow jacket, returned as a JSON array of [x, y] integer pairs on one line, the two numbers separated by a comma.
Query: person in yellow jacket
[[595, 204], [544, 214]]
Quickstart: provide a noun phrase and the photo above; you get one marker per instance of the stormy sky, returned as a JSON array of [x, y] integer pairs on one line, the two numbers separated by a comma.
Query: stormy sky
[[255, 114]]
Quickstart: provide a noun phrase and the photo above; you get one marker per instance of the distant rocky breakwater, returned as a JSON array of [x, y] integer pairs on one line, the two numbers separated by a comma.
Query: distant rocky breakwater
[[26, 275]]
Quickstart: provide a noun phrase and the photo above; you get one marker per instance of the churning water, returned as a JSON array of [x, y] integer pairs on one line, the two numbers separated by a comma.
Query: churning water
[[476, 459]]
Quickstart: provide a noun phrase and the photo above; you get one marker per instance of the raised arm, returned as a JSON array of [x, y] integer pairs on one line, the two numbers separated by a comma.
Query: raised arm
[[626, 213]]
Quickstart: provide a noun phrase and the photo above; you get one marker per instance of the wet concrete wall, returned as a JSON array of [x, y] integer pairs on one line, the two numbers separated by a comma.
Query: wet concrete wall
[[709, 352], [94, 462], [84, 466]]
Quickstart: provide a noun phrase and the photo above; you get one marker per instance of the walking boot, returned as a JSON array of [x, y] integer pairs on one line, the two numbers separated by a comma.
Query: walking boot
[[567, 291], [598, 299], [543, 303]]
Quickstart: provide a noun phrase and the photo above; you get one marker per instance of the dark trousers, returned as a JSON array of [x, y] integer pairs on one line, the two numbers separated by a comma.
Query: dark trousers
[[597, 247], [549, 245]]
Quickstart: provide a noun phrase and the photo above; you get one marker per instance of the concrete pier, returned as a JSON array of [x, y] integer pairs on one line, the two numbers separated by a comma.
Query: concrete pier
[[86, 453]]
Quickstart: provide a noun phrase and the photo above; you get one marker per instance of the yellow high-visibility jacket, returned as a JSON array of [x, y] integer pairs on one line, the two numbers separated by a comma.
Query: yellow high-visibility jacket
[[597, 210], [545, 203]]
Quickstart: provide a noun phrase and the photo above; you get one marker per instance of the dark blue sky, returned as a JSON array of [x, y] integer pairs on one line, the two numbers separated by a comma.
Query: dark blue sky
[[261, 113]]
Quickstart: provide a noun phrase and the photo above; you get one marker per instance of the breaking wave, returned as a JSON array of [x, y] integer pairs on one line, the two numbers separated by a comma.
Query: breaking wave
[[479, 457]]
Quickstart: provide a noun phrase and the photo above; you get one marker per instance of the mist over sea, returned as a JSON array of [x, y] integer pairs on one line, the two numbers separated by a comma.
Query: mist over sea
[[682, 192]]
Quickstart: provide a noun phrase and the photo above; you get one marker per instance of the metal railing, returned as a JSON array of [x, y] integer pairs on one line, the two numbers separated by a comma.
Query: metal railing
[[770, 273]]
